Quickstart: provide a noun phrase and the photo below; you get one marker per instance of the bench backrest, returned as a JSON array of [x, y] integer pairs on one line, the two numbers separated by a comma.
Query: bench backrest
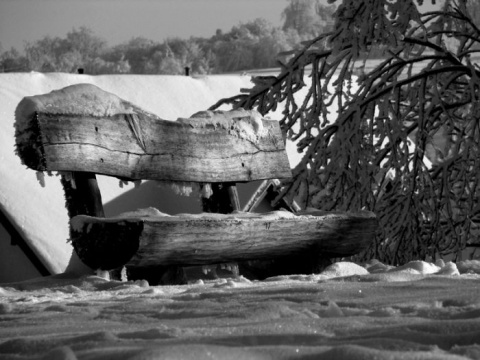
[[82, 130], [85, 129]]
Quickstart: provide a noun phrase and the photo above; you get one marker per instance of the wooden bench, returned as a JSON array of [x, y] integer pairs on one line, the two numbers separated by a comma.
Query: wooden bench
[[82, 130]]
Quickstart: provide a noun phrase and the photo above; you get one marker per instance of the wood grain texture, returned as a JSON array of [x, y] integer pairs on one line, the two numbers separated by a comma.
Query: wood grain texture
[[209, 239], [224, 146], [167, 150]]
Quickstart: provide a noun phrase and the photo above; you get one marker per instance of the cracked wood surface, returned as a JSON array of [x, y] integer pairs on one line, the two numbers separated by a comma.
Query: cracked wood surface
[[149, 240], [223, 146]]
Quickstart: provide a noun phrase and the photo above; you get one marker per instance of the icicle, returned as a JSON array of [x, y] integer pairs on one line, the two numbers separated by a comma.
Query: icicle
[[207, 190], [41, 178], [68, 176], [183, 188], [123, 274], [137, 183]]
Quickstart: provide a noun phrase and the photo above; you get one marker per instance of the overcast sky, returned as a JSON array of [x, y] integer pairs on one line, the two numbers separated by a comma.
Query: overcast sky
[[118, 21]]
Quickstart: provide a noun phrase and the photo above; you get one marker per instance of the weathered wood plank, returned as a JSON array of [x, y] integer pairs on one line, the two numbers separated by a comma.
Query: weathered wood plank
[[131, 143], [217, 238]]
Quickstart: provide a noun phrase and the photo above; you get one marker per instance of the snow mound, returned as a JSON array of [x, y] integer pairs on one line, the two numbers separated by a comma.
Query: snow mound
[[347, 315], [340, 269], [78, 99], [469, 267], [251, 128], [417, 267], [449, 268]]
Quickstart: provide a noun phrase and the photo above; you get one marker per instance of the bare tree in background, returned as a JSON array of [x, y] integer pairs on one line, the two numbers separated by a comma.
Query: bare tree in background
[[405, 143]]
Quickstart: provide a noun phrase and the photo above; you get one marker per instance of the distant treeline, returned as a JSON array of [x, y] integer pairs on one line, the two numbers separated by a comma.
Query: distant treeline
[[250, 45]]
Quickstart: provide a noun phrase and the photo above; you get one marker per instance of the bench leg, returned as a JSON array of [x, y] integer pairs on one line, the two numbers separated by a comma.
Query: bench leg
[[82, 195], [224, 199]]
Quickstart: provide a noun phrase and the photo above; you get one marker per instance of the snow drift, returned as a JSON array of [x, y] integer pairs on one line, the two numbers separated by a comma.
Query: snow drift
[[417, 311]]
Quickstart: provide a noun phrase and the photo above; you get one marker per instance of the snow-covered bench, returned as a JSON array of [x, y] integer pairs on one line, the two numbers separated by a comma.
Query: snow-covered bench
[[82, 130]]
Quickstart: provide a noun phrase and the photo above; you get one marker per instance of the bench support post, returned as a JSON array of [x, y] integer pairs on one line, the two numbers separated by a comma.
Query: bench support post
[[82, 195], [224, 199], [233, 195]]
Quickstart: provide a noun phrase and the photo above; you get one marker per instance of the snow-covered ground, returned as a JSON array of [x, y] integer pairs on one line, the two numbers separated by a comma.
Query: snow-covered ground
[[418, 311]]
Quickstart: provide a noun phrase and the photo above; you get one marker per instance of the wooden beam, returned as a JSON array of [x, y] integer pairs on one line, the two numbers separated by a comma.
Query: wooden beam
[[215, 238], [268, 190], [257, 196], [131, 143]]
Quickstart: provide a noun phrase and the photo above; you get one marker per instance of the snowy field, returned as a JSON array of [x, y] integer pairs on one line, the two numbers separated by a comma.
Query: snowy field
[[418, 311]]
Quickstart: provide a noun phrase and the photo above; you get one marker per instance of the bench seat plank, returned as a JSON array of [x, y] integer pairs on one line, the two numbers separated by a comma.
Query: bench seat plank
[[152, 239]]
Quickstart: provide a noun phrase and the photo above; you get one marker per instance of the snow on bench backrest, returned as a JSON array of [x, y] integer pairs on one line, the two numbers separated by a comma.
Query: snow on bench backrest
[[82, 128]]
